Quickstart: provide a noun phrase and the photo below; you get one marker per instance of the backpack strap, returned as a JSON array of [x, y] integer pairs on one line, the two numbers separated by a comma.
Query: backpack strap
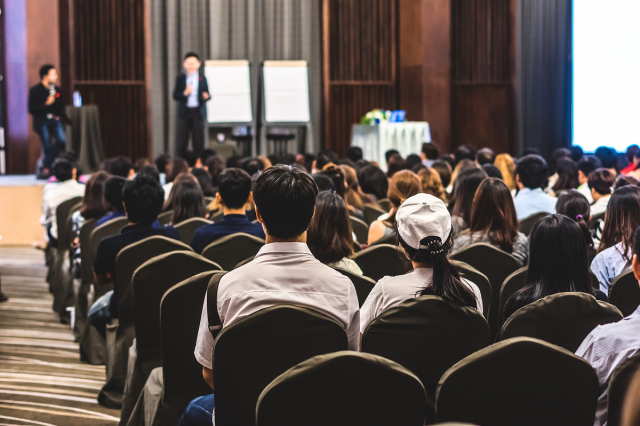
[[215, 325]]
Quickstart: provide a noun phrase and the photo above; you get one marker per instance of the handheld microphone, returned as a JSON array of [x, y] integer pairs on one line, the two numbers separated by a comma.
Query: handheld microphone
[[52, 90]]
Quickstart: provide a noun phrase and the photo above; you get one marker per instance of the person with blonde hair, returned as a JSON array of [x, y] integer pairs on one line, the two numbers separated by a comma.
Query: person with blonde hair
[[506, 165], [432, 184], [404, 184]]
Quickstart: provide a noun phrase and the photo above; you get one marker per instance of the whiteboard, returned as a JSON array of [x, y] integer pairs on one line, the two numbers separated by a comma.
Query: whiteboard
[[230, 90], [286, 92]]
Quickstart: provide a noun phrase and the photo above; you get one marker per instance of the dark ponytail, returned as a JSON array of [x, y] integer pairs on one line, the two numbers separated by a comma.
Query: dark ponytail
[[574, 205], [584, 227], [446, 278]]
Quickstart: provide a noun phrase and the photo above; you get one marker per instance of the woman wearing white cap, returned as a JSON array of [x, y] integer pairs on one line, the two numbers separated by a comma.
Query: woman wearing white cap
[[424, 233]]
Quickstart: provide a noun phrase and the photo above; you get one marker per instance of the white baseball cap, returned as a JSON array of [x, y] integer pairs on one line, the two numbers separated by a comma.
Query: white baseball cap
[[422, 216]]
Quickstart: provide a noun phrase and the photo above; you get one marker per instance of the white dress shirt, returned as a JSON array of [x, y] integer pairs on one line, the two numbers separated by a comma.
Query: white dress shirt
[[586, 191], [392, 291], [605, 348], [287, 274], [608, 264], [56, 195], [194, 81], [600, 206], [531, 201]]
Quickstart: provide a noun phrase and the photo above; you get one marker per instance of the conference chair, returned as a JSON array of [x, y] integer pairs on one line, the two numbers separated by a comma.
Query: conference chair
[[165, 218], [371, 213], [170, 388], [256, 349], [360, 228], [86, 279], [563, 319], [470, 273], [244, 262], [387, 239], [496, 265], [427, 335], [112, 227], [520, 381], [189, 227], [229, 250], [618, 387], [526, 224], [363, 284], [385, 204], [624, 293], [150, 282], [343, 389], [381, 260]]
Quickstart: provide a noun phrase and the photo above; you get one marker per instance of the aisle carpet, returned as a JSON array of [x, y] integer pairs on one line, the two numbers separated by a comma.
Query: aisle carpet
[[42, 381]]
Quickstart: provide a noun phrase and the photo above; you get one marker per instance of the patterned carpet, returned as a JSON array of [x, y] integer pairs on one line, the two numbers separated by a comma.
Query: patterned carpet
[[42, 381]]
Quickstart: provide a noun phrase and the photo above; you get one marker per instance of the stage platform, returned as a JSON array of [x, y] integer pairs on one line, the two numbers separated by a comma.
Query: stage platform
[[20, 207]]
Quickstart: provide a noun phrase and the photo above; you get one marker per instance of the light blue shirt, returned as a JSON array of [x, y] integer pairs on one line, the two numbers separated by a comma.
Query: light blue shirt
[[194, 81], [608, 264], [531, 201]]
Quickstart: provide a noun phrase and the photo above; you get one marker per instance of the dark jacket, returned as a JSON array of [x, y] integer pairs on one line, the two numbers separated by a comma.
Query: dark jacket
[[38, 95], [178, 94]]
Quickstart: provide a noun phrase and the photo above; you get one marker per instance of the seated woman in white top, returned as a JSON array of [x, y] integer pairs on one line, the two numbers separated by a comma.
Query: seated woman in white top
[[615, 251], [424, 234], [329, 236], [601, 182]]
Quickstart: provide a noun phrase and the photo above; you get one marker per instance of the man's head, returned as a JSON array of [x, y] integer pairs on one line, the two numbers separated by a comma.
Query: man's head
[[354, 153], [48, 74], [586, 166], [113, 192], [63, 170], [191, 158], [162, 161], [191, 62], [234, 188], [608, 157], [143, 198], [285, 199], [532, 172], [252, 166], [485, 156], [429, 151], [121, 166], [601, 181]]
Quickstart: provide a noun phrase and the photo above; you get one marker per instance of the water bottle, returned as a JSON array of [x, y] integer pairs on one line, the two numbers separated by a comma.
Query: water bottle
[[77, 99]]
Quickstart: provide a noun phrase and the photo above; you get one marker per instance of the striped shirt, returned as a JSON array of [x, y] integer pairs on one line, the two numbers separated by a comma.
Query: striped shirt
[[606, 347]]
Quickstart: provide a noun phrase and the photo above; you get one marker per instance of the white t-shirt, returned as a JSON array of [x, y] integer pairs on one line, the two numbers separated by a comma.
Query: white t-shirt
[[282, 273], [392, 291], [53, 196]]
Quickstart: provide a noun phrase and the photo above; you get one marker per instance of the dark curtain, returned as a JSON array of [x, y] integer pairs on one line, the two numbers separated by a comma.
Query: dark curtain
[[543, 67]]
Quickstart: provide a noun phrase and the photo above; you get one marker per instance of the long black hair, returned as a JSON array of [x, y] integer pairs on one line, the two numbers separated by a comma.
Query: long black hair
[[574, 205], [446, 278]]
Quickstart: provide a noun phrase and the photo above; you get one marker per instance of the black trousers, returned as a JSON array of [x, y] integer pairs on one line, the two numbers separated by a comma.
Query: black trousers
[[193, 123]]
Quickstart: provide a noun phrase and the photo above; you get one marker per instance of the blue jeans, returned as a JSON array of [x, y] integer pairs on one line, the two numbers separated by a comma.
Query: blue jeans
[[50, 149], [199, 412]]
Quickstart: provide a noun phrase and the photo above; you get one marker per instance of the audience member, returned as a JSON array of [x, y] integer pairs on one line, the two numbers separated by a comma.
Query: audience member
[[506, 165], [531, 150], [556, 156], [464, 189], [412, 160], [390, 153], [288, 159], [432, 184], [141, 163], [601, 183], [607, 346], [191, 158], [531, 178], [424, 233], [253, 166], [616, 244], [265, 161], [557, 263], [485, 156], [150, 171], [609, 159], [113, 197], [623, 180], [308, 161], [204, 180], [93, 203], [404, 184], [635, 172], [373, 183], [234, 162], [585, 167], [576, 153], [179, 180], [449, 159], [394, 165], [324, 182], [162, 163], [204, 157], [65, 188], [444, 170], [336, 174], [353, 195], [330, 237], [493, 220], [143, 199], [464, 153], [354, 153], [575, 206], [234, 193], [215, 166], [632, 161], [567, 176], [188, 202], [323, 158], [492, 171], [429, 153], [121, 166], [463, 165], [175, 169]]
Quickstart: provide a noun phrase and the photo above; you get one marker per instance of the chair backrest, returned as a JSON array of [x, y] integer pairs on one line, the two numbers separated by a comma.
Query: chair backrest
[[363, 284], [478, 278], [563, 319], [108, 229], [256, 349], [180, 311], [381, 260], [526, 224], [387, 239], [189, 227], [244, 262], [217, 216], [229, 250], [165, 217], [371, 213], [150, 282], [496, 265], [86, 256], [360, 228], [427, 335], [377, 392], [624, 293], [131, 258], [618, 387], [521, 381], [62, 213], [384, 204]]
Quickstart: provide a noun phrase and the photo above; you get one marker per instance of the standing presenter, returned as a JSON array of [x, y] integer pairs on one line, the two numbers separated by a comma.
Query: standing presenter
[[192, 92]]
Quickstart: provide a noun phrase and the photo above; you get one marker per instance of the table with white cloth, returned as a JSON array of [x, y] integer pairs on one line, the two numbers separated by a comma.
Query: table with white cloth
[[375, 140]]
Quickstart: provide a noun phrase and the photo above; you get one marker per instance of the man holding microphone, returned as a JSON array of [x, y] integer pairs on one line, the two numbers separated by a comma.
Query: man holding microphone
[[192, 92], [47, 108]]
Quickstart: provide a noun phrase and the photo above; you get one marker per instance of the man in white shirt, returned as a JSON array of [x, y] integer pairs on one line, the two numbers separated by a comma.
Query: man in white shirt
[[601, 182], [67, 187], [532, 175], [283, 272]]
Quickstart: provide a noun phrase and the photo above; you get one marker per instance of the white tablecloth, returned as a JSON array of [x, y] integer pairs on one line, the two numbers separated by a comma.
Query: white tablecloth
[[406, 137]]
